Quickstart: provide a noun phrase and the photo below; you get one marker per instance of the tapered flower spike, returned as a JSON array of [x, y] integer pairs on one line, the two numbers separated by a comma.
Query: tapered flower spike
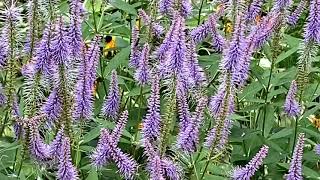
[[126, 165], [197, 77], [291, 105], [38, 149], [66, 170], [135, 53], [295, 15], [74, 32], [55, 145], [145, 18], [295, 170], [101, 155], [111, 105], [120, 126], [154, 165], [189, 139], [85, 84], [317, 149], [165, 6], [186, 8], [254, 9], [282, 4], [217, 40], [43, 51], [225, 133], [201, 32], [4, 47], [142, 74], [312, 31], [246, 172], [52, 107], [151, 123], [171, 169], [183, 108], [60, 45]]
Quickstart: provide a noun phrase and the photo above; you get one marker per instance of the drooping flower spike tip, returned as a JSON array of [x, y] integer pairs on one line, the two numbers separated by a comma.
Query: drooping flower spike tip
[[291, 105], [246, 172], [111, 105], [66, 170], [295, 170], [295, 15]]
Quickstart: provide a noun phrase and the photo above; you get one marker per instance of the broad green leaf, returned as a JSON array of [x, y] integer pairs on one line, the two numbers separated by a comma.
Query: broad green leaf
[[93, 5], [120, 4], [120, 59], [283, 133], [94, 133], [93, 175], [286, 54]]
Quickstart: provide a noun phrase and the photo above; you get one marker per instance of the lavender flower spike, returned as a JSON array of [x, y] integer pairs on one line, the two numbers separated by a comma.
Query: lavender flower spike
[[38, 149], [60, 45], [291, 106], [217, 40], [312, 31], [154, 165], [245, 173], [254, 9], [295, 15], [75, 34], [142, 74], [121, 124], [189, 139], [171, 170], [151, 123], [165, 6], [317, 149], [295, 170], [53, 106], [66, 170], [101, 155], [135, 53], [111, 105], [201, 32], [186, 8], [55, 146]]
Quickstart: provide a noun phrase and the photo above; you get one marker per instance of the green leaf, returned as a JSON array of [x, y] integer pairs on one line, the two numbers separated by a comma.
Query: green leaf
[[96, 5], [120, 59], [311, 133], [93, 175], [94, 133], [123, 6], [286, 54], [283, 133]]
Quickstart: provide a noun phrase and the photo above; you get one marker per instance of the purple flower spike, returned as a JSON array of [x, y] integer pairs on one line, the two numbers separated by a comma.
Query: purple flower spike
[[312, 31], [127, 166], [145, 18], [201, 32], [254, 9], [4, 47], [157, 29], [171, 170], [135, 53], [196, 74], [154, 165], [38, 149], [86, 77], [217, 40], [75, 34], [121, 124], [60, 45], [142, 74], [246, 172], [43, 51], [101, 155], [53, 107], [186, 8], [152, 121], [55, 146], [295, 15], [291, 105], [189, 139], [183, 108], [282, 4], [226, 130], [66, 170], [111, 105], [317, 149], [165, 6], [295, 170], [3, 98]]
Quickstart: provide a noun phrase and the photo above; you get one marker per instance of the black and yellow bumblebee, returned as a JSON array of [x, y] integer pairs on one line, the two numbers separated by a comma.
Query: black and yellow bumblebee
[[110, 46]]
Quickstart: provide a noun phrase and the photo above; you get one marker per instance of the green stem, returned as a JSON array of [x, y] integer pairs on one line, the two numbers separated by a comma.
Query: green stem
[[200, 10]]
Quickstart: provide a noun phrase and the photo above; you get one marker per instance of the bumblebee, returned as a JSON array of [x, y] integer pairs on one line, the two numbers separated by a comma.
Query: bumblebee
[[110, 46], [227, 26], [315, 120]]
